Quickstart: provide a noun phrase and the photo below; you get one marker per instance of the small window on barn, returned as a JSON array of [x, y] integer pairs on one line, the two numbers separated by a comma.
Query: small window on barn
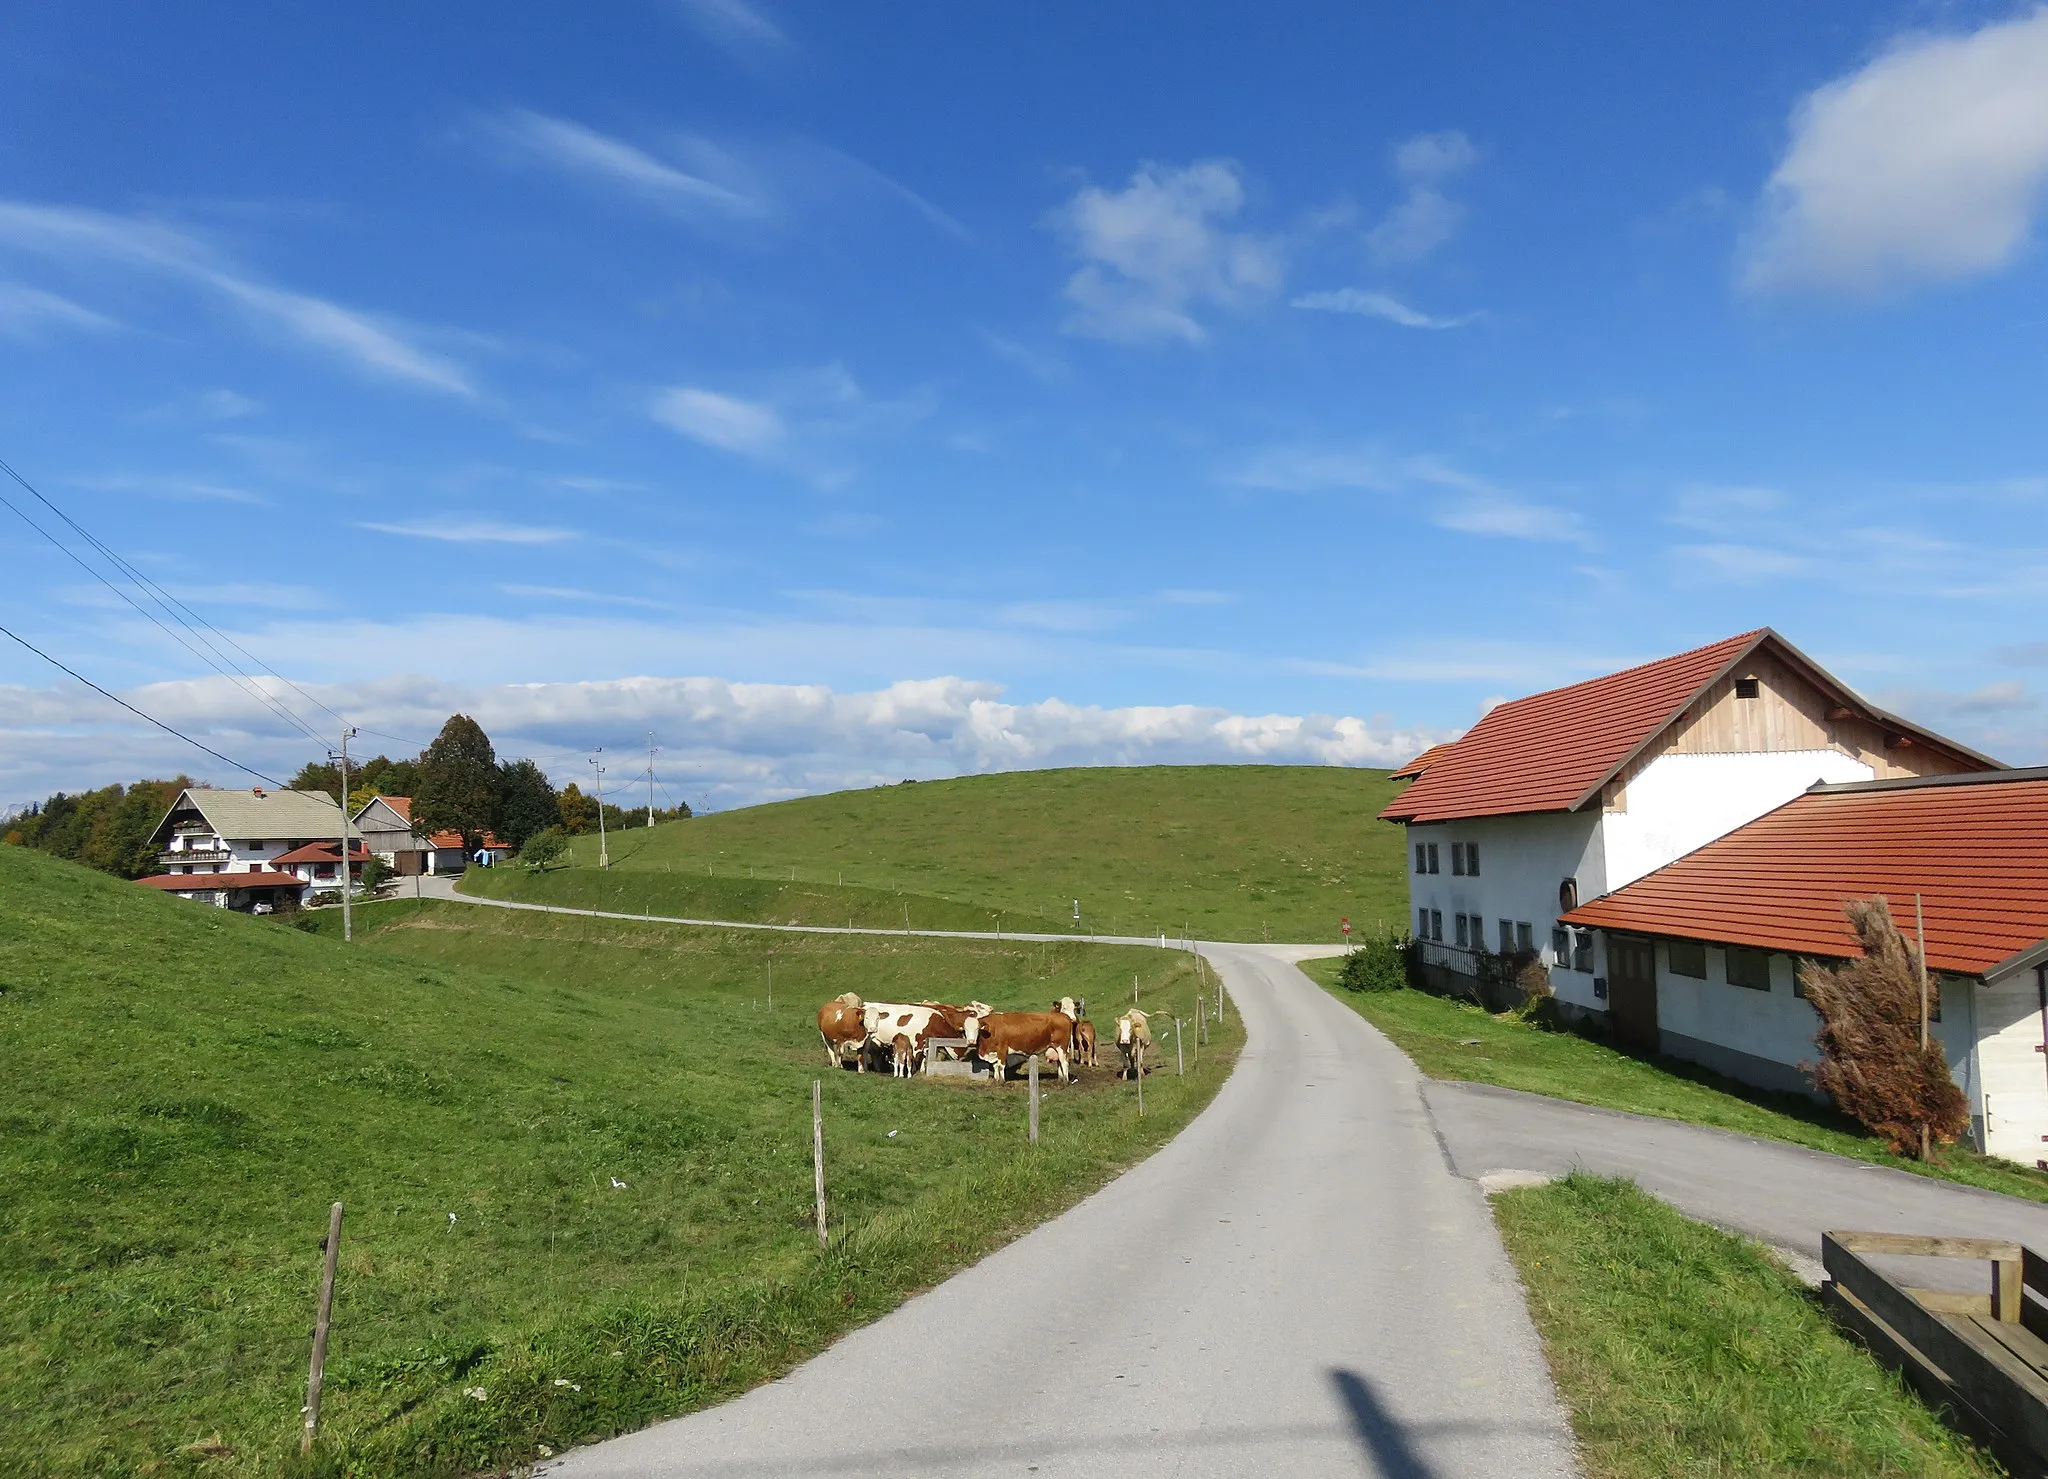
[[1433, 868], [1749, 968], [1421, 924], [1436, 925], [1582, 952], [1689, 958], [1472, 859], [1421, 858], [1458, 859], [1507, 936], [1464, 936], [1748, 688], [1525, 937]]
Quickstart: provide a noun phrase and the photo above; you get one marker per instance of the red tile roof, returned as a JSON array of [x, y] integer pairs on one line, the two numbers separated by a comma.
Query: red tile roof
[[1552, 751], [454, 839], [179, 882], [1974, 847], [324, 852], [1419, 764], [400, 804]]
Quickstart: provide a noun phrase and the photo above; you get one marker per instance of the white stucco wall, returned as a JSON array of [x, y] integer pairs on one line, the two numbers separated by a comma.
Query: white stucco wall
[[1683, 802], [2012, 1074], [1522, 860]]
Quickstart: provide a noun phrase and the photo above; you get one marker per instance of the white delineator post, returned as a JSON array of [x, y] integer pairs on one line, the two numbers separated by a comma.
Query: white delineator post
[[818, 1151], [1032, 1073]]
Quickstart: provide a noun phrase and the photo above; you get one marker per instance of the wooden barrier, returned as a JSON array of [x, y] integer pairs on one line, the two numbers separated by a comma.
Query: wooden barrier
[[1979, 1358]]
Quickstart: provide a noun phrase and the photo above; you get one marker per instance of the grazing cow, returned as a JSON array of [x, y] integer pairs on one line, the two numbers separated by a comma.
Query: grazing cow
[[888, 1021], [1084, 1042], [841, 1024], [951, 1021], [1050, 1035], [1133, 1040]]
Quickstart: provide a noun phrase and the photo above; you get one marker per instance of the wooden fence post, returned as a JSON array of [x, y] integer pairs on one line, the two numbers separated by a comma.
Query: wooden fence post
[[818, 1151], [1138, 1057], [1033, 1073], [1180, 1056], [1201, 1023], [316, 1375]]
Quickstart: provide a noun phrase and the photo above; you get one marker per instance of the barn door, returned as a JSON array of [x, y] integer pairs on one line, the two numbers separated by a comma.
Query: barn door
[[1632, 993]]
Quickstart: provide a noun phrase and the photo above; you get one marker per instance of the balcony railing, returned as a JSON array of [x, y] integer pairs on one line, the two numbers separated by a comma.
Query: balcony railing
[[198, 855]]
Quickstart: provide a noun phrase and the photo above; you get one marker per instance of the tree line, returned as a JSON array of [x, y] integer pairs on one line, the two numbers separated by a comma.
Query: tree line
[[457, 784]]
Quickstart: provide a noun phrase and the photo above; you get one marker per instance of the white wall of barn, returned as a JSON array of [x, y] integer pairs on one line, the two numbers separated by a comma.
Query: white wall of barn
[[1680, 802], [2012, 1070]]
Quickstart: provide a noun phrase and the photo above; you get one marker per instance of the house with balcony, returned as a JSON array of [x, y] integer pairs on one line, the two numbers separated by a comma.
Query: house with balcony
[[225, 847], [1704, 954], [1557, 799]]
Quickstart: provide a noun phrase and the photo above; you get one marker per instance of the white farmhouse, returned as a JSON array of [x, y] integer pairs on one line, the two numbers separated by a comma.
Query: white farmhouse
[[1711, 944], [225, 847], [1561, 797]]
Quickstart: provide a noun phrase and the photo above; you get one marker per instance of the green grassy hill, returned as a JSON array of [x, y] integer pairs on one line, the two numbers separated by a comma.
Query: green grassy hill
[[576, 1157], [1233, 852]]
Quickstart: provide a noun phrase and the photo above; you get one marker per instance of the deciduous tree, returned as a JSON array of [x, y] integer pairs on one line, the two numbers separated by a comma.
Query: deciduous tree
[[457, 790]]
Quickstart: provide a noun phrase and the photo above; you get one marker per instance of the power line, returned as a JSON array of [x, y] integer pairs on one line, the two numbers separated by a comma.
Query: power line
[[139, 714]]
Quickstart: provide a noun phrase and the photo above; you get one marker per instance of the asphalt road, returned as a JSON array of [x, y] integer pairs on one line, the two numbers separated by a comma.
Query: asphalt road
[[1780, 1194], [1296, 1285]]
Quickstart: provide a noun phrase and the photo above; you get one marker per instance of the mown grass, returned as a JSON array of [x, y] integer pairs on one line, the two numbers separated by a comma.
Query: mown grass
[[1457, 1040], [1228, 852], [1681, 1350], [187, 1090]]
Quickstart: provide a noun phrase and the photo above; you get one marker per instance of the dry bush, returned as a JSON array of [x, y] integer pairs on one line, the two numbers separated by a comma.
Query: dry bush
[[1871, 1060]]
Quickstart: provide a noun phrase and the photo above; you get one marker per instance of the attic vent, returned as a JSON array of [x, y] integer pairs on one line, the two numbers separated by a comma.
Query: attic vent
[[1568, 896], [1747, 688]]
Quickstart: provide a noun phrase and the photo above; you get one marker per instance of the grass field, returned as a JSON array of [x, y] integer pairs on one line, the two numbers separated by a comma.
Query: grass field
[[575, 1154], [1457, 1040], [1680, 1350], [1230, 852]]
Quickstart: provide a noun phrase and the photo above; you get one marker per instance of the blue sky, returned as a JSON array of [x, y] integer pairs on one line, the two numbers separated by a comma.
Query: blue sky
[[853, 391]]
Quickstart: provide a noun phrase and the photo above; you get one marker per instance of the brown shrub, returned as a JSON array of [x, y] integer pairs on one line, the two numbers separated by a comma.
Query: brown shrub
[[1871, 1060]]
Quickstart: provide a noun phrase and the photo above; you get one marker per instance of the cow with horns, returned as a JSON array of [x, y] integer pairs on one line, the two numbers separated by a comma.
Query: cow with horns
[[1133, 1041]]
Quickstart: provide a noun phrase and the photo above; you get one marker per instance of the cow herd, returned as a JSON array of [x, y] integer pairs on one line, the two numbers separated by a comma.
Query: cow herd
[[875, 1035]]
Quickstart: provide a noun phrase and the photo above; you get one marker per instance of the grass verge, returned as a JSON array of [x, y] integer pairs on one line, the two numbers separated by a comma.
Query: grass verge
[[1681, 1350], [1228, 852], [575, 1155], [1457, 1040]]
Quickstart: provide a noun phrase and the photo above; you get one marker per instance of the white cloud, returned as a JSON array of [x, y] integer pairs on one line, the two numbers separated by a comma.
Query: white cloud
[[738, 27], [24, 311], [67, 234], [1378, 305], [1426, 218], [474, 531], [153, 485], [227, 405], [1925, 165], [1744, 564], [1157, 250], [721, 421], [1450, 497], [598, 158], [571, 593], [742, 741]]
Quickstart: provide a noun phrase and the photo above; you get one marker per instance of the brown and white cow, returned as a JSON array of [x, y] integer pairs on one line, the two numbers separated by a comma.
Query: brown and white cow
[[1134, 1041], [842, 1024], [1049, 1035], [1084, 1030], [898, 1031], [951, 1021]]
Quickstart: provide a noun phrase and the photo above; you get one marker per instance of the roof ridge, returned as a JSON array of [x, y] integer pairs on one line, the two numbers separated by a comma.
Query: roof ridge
[[1918, 782]]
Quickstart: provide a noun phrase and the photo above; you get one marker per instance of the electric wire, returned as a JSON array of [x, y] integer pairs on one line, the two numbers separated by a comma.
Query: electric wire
[[167, 729]]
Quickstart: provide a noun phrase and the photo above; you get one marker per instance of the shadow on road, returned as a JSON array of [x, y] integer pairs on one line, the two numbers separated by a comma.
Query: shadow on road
[[1378, 1433]]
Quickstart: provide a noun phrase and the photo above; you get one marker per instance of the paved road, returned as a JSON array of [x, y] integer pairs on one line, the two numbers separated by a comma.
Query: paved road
[[1296, 1285], [1783, 1195]]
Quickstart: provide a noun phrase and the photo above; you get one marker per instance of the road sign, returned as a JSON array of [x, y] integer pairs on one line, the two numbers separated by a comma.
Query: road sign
[[1347, 926]]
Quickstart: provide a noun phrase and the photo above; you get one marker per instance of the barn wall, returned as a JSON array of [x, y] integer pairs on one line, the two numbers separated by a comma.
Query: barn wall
[[2013, 1075]]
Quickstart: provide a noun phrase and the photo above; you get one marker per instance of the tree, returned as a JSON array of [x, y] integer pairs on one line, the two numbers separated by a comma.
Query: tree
[[527, 804], [579, 812], [542, 849], [110, 829], [1871, 1060], [457, 789]]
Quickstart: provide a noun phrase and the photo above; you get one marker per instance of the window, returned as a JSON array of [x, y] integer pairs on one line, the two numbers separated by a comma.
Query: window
[[1421, 924], [1748, 688], [1421, 858], [1582, 952], [1560, 946], [1472, 859], [1748, 968], [1507, 936], [1436, 925], [1525, 937], [1432, 865], [1689, 958], [1464, 931], [1457, 859]]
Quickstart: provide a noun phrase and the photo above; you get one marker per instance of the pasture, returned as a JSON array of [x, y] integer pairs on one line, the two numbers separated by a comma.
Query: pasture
[[1230, 852], [575, 1154]]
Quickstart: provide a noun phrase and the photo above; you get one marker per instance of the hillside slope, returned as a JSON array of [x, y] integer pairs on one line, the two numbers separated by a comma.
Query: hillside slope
[[1232, 852], [576, 1157]]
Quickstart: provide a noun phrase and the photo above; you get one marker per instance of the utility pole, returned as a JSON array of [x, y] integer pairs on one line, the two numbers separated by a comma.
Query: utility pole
[[603, 858], [347, 922], [650, 777]]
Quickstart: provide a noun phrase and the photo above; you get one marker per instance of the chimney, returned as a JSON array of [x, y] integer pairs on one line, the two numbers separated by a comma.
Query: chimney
[[259, 793]]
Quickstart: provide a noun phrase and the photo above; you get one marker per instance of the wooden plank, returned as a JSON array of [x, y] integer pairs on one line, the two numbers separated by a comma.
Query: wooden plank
[[2023, 1346], [2034, 1271], [2007, 1292], [1915, 1246], [1951, 1302], [1993, 1381]]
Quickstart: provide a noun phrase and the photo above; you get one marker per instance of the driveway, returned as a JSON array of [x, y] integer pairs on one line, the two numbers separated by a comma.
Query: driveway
[[1297, 1285]]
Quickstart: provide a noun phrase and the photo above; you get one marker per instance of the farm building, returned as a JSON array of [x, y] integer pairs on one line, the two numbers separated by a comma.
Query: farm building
[[386, 826], [1556, 799], [1701, 956], [246, 834]]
